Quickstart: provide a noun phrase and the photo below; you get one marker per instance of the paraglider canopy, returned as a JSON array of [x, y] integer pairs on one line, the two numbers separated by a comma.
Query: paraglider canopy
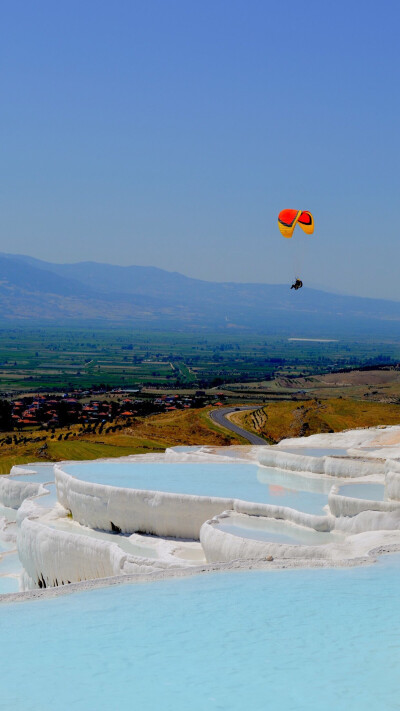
[[288, 219]]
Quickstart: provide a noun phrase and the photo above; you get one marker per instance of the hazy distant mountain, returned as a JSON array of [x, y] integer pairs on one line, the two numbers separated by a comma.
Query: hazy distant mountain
[[36, 291]]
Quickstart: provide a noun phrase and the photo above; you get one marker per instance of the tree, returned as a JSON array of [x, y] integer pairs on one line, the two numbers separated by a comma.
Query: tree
[[5, 415]]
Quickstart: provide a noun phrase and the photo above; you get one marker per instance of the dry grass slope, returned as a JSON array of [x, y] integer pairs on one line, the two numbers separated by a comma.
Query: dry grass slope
[[293, 419], [147, 434]]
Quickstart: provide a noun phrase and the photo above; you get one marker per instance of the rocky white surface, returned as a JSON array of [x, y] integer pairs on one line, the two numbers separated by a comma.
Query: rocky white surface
[[222, 546], [334, 466], [364, 437], [10, 565], [54, 557], [56, 550], [130, 510], [392, 478], [14, 492]]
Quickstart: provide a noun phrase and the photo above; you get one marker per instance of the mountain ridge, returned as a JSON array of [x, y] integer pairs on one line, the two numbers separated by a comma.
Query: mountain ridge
[[152, 297]]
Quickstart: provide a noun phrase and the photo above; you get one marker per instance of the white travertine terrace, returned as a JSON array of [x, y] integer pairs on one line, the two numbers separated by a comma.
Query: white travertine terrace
[[220, 545], [329, 465], [341, 505], [56, 549], [57, 557], [13, 491], [156, 512], [392, 479], [159, 513], [223, 546], [372, 437]]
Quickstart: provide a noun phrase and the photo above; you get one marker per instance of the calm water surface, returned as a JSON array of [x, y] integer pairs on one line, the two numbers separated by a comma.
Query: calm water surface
[[234, 480], [371, 492], [274, 531], [287, 640], [40, 473]]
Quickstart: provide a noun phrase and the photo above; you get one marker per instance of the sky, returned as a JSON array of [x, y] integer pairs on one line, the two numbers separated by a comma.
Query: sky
[[172, 132]]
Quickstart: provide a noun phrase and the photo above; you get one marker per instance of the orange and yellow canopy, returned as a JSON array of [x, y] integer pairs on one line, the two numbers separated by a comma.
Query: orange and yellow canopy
[[288, 219]]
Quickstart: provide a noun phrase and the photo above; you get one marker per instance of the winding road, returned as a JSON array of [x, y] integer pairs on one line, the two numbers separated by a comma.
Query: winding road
[[220, 418]]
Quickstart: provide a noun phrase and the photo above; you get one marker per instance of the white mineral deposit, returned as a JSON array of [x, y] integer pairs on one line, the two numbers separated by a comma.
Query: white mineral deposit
[[83, 528]]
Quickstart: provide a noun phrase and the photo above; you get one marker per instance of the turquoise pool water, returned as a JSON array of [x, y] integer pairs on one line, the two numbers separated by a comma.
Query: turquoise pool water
[[234, 480], [294, 481], [7, 585], [272, 530], [10, 564], [7, 513], [6, 546], [49, 499], [371, 492], [40, 473], [289, 640]]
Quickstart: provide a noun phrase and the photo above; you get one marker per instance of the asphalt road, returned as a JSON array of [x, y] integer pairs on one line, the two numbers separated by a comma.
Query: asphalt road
[[219, 417]]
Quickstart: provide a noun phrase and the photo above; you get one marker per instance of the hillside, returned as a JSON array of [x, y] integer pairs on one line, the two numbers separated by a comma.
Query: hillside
[[31, 289], [280, 420], [146, 434]]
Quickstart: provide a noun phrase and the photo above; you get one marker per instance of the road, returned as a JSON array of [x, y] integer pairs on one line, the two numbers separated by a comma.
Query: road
[[219, 417]]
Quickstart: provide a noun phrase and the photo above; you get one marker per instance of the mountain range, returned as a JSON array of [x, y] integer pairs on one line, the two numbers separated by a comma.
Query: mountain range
[[37, 292]]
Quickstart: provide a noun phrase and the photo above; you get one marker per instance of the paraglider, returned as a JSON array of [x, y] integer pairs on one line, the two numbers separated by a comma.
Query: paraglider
[[287, 221], [297, 284]]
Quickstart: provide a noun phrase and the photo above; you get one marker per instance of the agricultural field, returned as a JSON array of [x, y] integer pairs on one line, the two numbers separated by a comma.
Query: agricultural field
[[297, 387], [44, 360], [370, 384]]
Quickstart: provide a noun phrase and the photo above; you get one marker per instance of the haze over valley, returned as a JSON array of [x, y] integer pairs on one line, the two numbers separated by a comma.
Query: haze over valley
[[32, 290]]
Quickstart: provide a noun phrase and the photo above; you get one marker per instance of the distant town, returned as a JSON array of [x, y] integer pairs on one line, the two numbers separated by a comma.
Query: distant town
[[93, 407]]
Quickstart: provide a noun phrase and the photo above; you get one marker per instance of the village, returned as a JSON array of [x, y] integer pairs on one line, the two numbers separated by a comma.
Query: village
[[92, 407]]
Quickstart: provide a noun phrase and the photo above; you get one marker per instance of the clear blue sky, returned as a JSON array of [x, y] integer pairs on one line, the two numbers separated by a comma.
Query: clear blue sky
[[171, 132]]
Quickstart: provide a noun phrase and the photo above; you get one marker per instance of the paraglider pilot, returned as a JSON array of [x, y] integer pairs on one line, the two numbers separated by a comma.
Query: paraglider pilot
[[297, 284]]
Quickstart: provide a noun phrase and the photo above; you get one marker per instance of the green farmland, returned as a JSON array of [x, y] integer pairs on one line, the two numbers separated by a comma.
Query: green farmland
[[59, 359]]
